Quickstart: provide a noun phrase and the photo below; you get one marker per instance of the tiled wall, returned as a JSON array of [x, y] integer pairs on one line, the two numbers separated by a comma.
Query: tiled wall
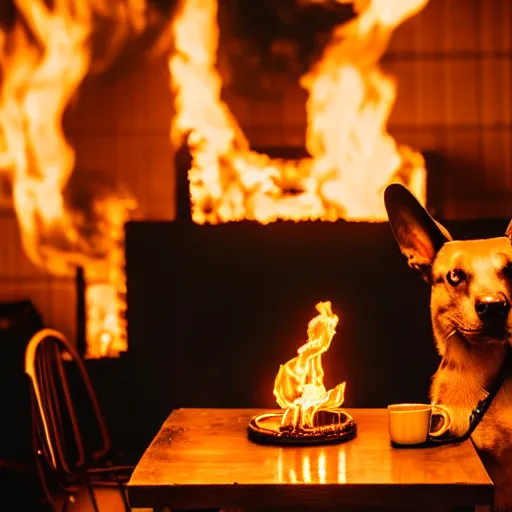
[[19, 280], [453, 65]]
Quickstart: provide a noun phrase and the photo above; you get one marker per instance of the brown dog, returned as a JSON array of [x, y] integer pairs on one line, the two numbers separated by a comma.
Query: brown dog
[[471, 284]]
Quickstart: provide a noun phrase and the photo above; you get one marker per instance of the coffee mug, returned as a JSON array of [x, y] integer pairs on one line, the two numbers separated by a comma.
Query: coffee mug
[[410, 424]]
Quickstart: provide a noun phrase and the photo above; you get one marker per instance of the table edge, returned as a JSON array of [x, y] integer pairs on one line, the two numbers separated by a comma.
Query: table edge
[[198, 496]]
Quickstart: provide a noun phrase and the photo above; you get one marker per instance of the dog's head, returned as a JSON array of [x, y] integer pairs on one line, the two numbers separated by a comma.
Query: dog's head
[[471, 280]]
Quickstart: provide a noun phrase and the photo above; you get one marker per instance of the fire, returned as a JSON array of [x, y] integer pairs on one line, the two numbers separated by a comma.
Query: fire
[[44, 57], [353, 157], [299, 386], [46, 53]]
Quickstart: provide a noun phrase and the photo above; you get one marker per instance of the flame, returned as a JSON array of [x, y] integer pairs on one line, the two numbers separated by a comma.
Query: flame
[[44, 57], [353, 157], [299, 385]]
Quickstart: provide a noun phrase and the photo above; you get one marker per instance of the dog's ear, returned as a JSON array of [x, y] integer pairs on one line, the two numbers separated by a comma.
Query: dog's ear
[[417, 233], [508, 232]]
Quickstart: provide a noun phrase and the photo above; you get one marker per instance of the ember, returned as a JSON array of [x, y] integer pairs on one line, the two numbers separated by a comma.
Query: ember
[[311, 413]]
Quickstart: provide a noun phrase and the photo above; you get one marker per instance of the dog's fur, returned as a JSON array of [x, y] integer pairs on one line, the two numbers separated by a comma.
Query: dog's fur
[[465, 277]]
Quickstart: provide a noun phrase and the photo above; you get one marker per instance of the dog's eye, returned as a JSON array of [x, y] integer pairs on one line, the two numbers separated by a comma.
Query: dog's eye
[[455, 276], [507, 270]]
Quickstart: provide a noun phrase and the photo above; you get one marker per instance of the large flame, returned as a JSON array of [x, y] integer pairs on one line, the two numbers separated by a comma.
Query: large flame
[[299, 386], [353, 157], [44, 57]]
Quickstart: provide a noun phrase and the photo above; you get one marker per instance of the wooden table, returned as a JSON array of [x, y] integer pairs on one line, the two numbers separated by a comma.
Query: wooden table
[[201, 458]]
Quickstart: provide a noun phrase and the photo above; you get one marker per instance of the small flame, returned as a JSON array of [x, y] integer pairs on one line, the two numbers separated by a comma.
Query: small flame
[[299, 385], [353, 157], [44, 57]]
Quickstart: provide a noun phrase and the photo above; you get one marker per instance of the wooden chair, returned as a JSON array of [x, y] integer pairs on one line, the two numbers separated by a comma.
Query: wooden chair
[[71, 442]]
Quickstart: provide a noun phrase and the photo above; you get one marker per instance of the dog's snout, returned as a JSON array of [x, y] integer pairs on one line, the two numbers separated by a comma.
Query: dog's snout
[[492, 307]]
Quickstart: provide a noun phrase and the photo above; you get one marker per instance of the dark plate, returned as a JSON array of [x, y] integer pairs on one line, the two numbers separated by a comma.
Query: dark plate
[[264, 429]]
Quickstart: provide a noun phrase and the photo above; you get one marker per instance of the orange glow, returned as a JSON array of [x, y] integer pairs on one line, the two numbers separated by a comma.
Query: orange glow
[[44, 58], [353, 157], [299, 386], [322, 467], [311, 467]]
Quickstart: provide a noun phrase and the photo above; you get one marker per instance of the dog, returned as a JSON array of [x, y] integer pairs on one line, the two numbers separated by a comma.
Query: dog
[[471, 294]]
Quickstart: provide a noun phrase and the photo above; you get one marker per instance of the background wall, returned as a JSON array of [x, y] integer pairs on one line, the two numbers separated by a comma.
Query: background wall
[[453, 65]]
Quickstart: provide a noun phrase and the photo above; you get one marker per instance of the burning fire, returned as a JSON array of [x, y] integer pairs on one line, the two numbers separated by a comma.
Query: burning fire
[[299, 386], [47, 51], [353, 157], [44, 57]]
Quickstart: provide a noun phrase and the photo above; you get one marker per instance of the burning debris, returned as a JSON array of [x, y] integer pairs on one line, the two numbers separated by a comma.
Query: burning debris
[[353, 157], [311, 414]]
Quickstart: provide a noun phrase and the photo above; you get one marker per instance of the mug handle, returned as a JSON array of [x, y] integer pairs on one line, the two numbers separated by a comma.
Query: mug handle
[[439, 409]]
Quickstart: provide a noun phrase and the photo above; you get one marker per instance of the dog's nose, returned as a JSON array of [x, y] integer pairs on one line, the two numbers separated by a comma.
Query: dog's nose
[[492, 308]]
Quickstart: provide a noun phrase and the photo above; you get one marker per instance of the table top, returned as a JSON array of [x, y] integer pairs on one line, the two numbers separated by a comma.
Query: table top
[[202, 458]]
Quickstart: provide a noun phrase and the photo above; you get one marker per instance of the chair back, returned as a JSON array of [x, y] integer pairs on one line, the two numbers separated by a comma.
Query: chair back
[[62, 440]]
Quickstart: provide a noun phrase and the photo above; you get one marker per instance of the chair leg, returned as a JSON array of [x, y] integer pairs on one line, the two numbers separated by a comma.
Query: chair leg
[[125, 499], [92, 496], [121, 490]]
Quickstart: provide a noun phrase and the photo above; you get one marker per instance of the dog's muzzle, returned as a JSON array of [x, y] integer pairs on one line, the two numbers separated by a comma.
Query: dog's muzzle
[[492, 309], [493, 312]]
